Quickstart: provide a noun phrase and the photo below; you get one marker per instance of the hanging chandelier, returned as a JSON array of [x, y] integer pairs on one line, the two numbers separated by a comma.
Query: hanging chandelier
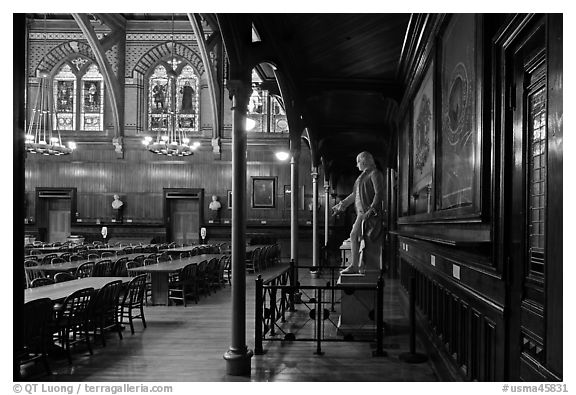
[[40, 136], [173, 141]]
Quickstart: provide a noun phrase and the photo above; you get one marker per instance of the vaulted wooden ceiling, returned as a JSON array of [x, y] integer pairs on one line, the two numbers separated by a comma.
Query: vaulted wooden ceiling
[[345, 68]]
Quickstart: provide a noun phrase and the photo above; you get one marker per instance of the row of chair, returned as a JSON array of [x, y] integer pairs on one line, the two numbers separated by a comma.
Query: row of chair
[[263, 257], [194, 280], [83, 314]]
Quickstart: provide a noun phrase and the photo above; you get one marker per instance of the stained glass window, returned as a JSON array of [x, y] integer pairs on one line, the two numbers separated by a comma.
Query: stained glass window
[[179, 96], [92, 109], [64, 91], [78, 94]]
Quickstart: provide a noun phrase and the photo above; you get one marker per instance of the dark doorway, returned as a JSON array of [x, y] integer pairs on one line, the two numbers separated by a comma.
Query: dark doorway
[[183, 214]]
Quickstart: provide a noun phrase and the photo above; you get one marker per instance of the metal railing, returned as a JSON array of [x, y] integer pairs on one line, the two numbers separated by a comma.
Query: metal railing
[[275, 305]]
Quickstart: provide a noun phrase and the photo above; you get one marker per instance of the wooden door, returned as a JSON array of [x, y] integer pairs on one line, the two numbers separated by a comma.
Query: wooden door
[[58, 220], [534, 272], [184, 220]]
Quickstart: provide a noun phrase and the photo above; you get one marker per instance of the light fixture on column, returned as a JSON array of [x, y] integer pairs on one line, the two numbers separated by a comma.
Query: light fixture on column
[[40, 136], [173, 141]]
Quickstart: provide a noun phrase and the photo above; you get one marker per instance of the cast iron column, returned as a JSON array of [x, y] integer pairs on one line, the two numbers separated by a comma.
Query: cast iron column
[[294, 197], [315, 217], [326, 210], [238, 355]]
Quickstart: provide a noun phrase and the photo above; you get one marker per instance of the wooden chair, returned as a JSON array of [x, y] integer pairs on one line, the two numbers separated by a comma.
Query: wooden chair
[[47, 260], [66, 256], [107, 254], [119, 268], [164, 257], [37, 316], [85, 270], [61, 277], [103, 310], [102, 268], [133, 300], [41, 281], [253, 260], [31, 274], [57, 261], [201, 273], [184, 285], [212, 274], [76, 257], [71, 323]]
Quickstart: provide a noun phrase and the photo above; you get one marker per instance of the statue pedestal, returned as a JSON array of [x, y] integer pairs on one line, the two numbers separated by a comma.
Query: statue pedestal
[[358, 312]]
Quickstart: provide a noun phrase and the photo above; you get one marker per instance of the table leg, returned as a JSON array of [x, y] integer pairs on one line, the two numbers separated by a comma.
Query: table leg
[[159, 288]]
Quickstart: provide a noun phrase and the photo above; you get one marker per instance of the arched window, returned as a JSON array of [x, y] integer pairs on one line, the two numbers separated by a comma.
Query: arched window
[[92, 109], [178, 96], [265, 109], [78, 94]]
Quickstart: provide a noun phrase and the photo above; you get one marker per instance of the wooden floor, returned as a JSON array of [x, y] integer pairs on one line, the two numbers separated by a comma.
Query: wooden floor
[[187, 345]]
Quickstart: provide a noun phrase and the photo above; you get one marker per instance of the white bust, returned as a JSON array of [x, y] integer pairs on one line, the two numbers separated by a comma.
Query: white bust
[[117, 203], [214, 204]]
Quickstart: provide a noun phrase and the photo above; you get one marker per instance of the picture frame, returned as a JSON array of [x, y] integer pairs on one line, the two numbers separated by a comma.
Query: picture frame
[[458, 159], [404, 168], [263, 192], [423, 145], [229, 198]]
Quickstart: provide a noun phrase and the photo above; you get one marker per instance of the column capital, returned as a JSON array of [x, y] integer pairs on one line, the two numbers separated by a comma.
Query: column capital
[[239, 90]]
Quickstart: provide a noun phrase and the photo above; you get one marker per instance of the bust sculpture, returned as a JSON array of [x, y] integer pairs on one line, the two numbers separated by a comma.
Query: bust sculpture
[[117, 206]]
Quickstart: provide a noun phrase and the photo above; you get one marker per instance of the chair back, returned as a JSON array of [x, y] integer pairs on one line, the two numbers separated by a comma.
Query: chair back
[[164, 257], [66, 256], [106, 298], [57, 261], [37, 315], [188, 273], [139, 258], [102, 268], [61, 277], [38, 282], [76, 257], [107, 254], [136, 290], [75, 306], [48, 258], [85, 270], [130, 265], [119, 268]]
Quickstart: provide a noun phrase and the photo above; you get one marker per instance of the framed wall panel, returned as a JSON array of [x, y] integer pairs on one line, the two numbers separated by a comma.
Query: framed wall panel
[[423, 144], [458, 148]]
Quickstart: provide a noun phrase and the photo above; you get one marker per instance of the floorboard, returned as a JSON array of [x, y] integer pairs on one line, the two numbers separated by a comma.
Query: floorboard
[[188, 344]]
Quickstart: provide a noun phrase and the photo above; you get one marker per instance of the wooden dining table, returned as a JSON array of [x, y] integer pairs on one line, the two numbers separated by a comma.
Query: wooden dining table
[[179, 250], [160, 271], [60, 291], [71, 266]]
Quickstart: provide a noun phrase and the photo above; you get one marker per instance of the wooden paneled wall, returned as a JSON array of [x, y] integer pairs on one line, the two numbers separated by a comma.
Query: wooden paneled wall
[[465, 315], [140, 177]]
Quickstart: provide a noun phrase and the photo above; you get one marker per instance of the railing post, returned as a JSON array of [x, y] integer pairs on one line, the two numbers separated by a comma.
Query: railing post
[[332, 284], [292, 284], [259, 315], [319, 316], [379, 352], [273, 309]]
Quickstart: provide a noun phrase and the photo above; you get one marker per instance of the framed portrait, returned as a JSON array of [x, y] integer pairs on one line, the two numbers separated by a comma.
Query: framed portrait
[[229, 198], [263, 192], [422, 155], [458, 157]]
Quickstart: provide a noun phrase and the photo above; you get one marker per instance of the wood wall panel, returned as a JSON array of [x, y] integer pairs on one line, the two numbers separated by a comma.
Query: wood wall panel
[[141, 176]]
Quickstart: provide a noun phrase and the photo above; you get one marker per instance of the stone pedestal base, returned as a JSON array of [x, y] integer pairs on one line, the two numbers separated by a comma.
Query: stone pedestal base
[[358, 317]]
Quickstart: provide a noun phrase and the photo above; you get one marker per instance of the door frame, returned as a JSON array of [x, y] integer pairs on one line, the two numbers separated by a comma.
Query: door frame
[[169, 194], [43, 197]]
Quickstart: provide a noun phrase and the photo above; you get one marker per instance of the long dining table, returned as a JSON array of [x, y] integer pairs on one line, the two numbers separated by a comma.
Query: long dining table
[[159, 274], [60, 291], [71, 266]]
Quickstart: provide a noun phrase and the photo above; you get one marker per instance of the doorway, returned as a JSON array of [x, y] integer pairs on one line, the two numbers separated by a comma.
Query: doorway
[[55, 213], [183, 214], [534, 271]]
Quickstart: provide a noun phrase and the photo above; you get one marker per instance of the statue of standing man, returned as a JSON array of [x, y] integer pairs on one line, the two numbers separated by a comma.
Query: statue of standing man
[[367, 232]]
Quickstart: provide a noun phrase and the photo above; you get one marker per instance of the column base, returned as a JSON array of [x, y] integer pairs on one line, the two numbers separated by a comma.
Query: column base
[[238, 362]]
